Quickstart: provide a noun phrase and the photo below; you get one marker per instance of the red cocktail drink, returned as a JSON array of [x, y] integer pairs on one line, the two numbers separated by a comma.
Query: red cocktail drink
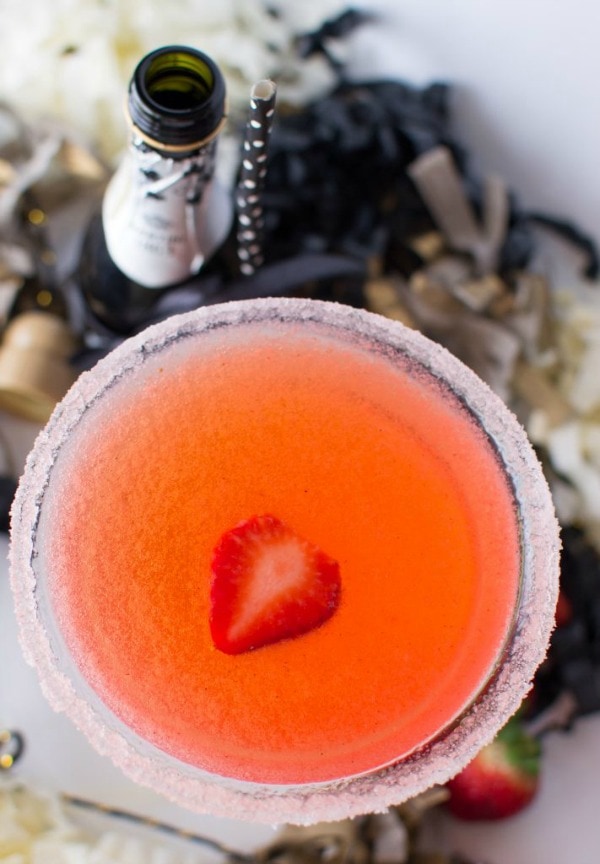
[[367, 443]]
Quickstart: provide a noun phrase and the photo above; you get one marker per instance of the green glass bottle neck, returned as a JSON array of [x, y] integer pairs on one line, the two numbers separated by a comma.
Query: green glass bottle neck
[[176, 99]]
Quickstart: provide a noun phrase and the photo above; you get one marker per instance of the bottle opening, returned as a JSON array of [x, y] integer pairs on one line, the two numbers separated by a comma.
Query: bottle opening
[[178, 81], [177, 97]]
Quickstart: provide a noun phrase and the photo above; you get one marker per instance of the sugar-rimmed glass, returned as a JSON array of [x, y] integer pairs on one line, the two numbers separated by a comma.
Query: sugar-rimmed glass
[[500, 690]]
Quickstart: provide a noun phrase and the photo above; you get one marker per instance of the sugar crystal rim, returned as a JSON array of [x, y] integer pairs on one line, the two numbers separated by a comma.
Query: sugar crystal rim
[[431, 764]]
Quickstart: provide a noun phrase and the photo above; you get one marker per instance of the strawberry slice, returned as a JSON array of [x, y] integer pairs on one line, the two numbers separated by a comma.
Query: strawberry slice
[[268, 584], [501, 780]]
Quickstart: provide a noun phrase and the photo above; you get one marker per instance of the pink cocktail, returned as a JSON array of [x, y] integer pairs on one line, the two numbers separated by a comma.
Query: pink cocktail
[[356, 465]]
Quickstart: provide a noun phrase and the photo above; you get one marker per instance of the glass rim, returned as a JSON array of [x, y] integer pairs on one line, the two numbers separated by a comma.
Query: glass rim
[[432, 763]]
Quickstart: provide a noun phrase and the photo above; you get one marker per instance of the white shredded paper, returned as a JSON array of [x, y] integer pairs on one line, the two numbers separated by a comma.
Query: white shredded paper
[[573, 447], [35, 828], [72, 59]]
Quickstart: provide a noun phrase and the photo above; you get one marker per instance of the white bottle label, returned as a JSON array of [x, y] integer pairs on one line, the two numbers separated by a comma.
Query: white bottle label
[[163, 217]]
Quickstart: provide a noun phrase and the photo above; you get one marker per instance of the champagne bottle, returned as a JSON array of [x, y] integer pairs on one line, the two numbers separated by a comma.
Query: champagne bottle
[[164, 213]]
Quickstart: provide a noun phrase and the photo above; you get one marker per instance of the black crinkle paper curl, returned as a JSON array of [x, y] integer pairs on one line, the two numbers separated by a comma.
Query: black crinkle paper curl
[[337, 197]]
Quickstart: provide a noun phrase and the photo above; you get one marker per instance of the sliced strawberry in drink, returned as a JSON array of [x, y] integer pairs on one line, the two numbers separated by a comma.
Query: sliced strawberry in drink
[[268, 584]]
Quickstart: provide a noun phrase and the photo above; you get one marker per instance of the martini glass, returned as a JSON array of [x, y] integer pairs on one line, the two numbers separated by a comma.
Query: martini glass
[[375, 444]]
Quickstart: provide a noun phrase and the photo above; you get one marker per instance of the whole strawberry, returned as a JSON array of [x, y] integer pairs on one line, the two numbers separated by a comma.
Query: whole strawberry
[[501, 780]]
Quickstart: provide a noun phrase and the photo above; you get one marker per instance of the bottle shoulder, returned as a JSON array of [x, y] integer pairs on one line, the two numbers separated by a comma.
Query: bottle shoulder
[[117, 301], [165, 217]]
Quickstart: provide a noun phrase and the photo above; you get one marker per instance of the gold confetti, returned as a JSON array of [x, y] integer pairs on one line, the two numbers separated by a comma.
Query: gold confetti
[[36, 216]]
